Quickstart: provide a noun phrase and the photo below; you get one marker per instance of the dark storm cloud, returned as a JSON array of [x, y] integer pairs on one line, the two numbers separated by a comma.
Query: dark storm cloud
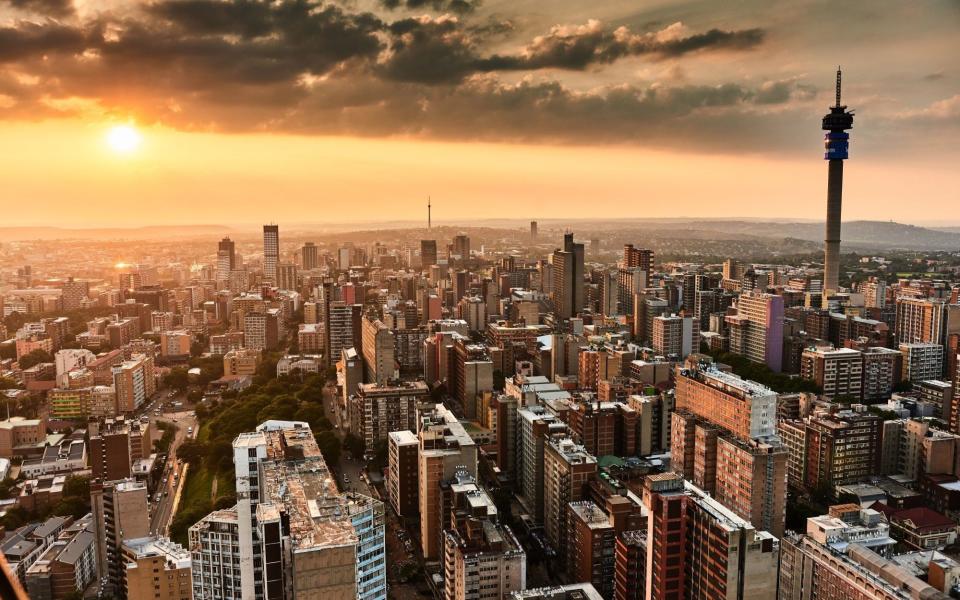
[[438, 50], [51, 8], [311, 67], [28, 40], [593, 44], [456, 6]]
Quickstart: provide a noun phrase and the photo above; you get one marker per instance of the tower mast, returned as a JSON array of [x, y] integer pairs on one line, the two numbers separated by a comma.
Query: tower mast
[[836, 142]]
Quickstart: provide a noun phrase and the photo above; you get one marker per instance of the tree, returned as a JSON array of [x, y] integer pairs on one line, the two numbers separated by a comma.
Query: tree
[[353, 444], [176, 379], [35, 357], [192, 451], [329, 445]]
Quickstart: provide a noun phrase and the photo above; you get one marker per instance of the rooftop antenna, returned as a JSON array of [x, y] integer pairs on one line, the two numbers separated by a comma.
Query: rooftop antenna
[[839, 77]]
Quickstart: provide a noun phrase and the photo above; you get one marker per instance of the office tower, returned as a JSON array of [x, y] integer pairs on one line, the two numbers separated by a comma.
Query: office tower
[[226, 258], [445, 450], [756, 331], [697, 548], [309, 258], [645, 309], [482, 557], [732, 269], [428, 253], [881, 372], [133, 382], [376, 410], [837, 142], [471, 375], [120, 512], [156, 568], [378, 351], [295, 536], [810, 570], [673, 336], [567, 467], [568, 272], [921, 362], [287, 276], [839, 373], [594, 248], [271, 252], [533, 231], [402, 485], [460, 281], [461, 246]]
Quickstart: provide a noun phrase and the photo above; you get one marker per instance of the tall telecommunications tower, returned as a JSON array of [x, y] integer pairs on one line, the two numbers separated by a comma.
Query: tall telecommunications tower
[[836, 142]]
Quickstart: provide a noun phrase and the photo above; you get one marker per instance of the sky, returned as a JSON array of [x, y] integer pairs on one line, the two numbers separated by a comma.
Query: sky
[[357, 110]]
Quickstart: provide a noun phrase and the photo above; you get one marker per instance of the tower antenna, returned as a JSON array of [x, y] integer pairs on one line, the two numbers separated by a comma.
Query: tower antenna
[[839, 76], [429, 215]]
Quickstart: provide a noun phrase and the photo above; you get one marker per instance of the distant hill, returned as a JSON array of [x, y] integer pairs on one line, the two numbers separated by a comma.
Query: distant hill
[[9, 234], [865, 234]]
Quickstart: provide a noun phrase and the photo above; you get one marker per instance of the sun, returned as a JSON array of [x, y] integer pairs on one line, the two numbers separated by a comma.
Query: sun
[[123, 139]]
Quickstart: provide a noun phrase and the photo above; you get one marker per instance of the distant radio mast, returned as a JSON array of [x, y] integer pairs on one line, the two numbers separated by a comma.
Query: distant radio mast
[[429, 216]]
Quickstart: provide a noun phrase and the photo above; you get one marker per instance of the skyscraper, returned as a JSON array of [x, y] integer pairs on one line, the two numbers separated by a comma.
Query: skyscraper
[[271, 251], [533, 231], [836, 142], [308, 255], [226, 258], [428, 253], [568, 278]]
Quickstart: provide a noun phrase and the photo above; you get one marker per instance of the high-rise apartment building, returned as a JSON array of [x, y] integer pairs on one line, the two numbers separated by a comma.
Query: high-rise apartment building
[[287, 276], [379, 348], [920, 320], [481, 556], [673, 335], [534, 427], [756, 331], [471, 374], [134, 382], [567, 467], [921, 361], [115, 445], [445, 450], [376, 410], [271, 252], [838, 372], [402, 487], [156, 568], [120, 513], [698, 548], [590, 548], [74, 294], [296, 535], [344, 328]]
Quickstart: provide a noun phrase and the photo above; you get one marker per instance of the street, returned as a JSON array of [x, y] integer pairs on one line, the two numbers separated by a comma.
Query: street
[[172, 477], [350, 470]]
